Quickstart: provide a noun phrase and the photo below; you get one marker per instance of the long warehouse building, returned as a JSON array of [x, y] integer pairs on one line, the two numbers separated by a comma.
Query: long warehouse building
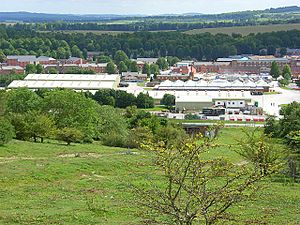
[[85, 82]]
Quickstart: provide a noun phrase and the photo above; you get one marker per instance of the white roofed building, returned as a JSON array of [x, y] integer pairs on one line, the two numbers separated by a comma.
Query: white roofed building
[[197, 100], [84, 82], [215, 85]]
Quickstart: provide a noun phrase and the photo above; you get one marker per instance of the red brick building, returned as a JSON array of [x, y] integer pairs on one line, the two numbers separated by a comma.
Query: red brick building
[[174, 77], [6, 70], [98, 68], [75, 60], [44, 60], [211, 67], [250, 65], [184, 70], [23, 60], [61, 68]]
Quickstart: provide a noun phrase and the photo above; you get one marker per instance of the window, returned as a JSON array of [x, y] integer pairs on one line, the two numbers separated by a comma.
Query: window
[[233, 103], [241, 103]]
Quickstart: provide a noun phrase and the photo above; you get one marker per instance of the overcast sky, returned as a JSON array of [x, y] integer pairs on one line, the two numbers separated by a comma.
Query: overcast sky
[[140, 6]]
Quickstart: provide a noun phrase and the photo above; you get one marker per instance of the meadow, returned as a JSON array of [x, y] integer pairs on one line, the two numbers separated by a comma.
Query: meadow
[[52, 183]]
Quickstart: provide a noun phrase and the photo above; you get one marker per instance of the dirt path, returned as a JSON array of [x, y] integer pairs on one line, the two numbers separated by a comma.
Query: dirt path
[[4, 160]]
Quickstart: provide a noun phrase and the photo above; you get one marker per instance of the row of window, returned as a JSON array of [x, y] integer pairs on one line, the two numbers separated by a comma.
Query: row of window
[[230, 103]]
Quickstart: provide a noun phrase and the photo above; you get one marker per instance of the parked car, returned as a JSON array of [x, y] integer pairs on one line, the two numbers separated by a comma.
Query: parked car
[[123, 84]]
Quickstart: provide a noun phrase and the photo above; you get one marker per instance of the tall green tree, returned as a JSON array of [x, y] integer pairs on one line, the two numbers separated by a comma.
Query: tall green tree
[[30, 68], [105, 97], [2, 56], [111, 68], [134, 67], [33, 125], [146, 69], [104, 59], [290, 121], [120, 56], [144, 101], [172, 60], [22, 100], [112, 126], [287, 72], [168, 100], [39, 68], [122, 67], [162, 63], [154, 69], [40, 126], [275, 70], [74, 110], [124, 99], [76, 52]]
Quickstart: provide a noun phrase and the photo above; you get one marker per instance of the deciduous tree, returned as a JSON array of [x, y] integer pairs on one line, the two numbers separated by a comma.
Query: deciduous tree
[[69, 135], [194, 189], [275, 71]]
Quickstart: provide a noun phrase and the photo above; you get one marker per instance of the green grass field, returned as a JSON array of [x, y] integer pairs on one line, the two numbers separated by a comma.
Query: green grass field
[[47, 184], [245, 30]]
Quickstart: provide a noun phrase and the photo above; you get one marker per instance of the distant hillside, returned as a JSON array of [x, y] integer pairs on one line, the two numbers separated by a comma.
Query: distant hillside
[[289, 9], [185, 17], [44, 17]]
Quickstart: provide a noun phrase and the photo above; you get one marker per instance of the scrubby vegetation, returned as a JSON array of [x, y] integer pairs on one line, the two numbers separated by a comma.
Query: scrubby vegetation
[[161, 175], [92, 184]]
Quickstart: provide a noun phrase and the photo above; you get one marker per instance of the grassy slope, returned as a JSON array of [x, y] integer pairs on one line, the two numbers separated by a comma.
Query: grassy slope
[[245, 30], [38, 186]]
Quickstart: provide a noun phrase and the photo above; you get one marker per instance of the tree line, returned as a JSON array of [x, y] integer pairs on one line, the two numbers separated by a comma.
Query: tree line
[[205, 46], [74, 117], [156, 24]]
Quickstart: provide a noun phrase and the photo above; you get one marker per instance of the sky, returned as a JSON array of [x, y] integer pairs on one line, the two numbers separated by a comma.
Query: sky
[[149, 7]]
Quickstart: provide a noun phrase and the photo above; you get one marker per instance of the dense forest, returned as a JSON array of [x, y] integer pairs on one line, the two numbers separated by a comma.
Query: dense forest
[[14, 40]]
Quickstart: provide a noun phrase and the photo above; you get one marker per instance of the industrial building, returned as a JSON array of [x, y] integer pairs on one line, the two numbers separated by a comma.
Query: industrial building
[[197, 101], [215, 85], [86, 82]]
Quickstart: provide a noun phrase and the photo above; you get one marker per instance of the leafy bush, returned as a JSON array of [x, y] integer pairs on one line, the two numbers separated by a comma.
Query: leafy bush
[[113, 127], [168, 100], [191, 117], [114, 139], [69, 135], [138, 136]]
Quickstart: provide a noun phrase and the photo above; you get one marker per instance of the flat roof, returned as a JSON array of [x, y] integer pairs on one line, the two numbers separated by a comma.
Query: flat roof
[[72, 77], [76, 85]]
